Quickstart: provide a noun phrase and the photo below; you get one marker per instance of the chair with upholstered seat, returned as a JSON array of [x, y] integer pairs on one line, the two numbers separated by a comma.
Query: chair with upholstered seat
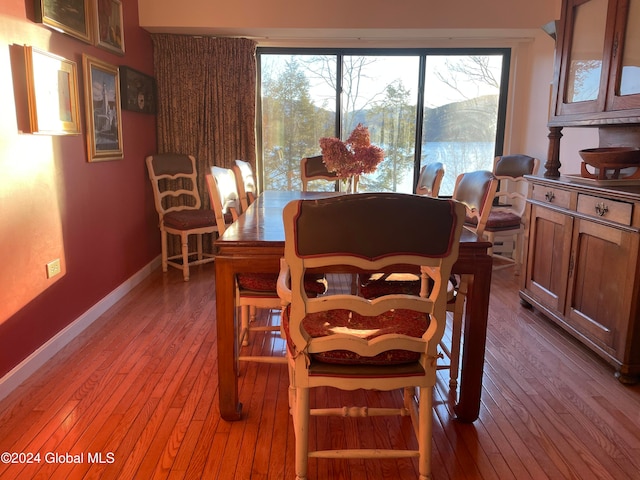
[[246, 183], [177, 201], [253, 290], [313, 168], [430, 179], [348, 342], [475, 190], [505, 224]]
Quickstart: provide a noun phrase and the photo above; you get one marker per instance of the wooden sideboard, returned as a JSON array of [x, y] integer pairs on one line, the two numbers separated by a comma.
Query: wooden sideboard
[[583, 265]]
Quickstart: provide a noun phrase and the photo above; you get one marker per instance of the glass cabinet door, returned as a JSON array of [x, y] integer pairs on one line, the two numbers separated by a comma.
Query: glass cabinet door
[[624, 83], [585, 62]]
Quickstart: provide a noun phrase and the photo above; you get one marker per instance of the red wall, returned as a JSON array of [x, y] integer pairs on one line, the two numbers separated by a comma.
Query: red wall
[[101, 212]]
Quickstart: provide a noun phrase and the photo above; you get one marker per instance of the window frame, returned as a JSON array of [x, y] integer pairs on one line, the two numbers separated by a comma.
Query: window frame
[[423, 54]]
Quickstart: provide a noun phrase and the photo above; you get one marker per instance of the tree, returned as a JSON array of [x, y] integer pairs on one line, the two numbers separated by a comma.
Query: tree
[[394, 119], [461, 71], [290, 121]]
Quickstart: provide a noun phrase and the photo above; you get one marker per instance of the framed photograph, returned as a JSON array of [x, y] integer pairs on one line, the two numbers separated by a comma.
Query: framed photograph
[[138, 91], [52, 93], [109, 26], [72, 17], [102, 102]]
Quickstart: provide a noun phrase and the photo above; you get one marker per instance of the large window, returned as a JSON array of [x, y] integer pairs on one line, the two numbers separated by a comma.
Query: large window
[[420, 106]]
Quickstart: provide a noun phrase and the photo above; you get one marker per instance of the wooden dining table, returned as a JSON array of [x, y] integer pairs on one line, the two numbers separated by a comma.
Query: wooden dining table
[[255, 243]]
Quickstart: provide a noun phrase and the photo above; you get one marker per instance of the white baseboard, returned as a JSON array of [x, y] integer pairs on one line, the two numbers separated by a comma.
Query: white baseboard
[[38, 358]]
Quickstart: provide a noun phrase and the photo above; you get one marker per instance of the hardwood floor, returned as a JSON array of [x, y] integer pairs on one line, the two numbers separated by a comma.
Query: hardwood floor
[[138, 392]]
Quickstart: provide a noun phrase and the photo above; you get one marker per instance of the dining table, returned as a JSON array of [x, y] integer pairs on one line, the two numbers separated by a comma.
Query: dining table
[[255, 243]]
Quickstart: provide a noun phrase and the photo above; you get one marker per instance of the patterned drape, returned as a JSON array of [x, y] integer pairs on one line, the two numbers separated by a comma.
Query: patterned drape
[[206, 90], [206, 99]]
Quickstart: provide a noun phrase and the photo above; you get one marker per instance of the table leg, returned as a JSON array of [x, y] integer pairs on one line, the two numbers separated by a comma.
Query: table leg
[[230, 407], [475, 334]]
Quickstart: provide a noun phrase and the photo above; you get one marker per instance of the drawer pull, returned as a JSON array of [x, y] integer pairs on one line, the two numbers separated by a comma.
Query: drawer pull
[[549, 196], [601, 209]]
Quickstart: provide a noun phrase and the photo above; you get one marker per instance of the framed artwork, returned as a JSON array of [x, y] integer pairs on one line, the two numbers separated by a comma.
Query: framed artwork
[[52, 93], [138, 91], [109, 26], [102, 102], [72, 17]]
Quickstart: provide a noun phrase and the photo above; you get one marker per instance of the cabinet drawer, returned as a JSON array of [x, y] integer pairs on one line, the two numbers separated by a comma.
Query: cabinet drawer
[[612, 210], [554, 196]]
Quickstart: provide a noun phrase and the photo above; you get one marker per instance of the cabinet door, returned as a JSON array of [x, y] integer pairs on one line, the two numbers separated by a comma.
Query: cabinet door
[[548, 257], [624, 82], [585, 58], [601, 277]]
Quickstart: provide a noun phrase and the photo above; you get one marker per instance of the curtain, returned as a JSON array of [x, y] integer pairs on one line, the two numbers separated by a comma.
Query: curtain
[[206, 89]]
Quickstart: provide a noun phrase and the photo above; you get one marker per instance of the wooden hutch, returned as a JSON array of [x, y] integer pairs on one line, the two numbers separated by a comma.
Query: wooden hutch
[[582, 266]]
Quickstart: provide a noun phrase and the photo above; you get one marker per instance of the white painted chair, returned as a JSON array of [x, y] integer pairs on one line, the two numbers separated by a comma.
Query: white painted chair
[[349, 342], [430, 179], [246, 182], [505, 225], [177, 200]]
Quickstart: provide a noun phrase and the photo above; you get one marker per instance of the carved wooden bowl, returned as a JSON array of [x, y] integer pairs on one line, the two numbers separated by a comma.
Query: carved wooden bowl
[[609, 161]]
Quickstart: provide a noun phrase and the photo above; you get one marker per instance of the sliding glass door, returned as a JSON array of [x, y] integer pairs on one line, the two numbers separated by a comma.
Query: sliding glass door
[[420, 107]]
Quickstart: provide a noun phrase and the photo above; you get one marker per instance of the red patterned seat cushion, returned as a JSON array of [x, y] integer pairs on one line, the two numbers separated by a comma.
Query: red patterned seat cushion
[[189, 219], [502, 220], [406, 322], [314, 284]]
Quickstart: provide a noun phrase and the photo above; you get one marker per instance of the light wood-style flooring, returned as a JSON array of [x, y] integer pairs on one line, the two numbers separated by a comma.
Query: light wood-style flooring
[[135, 397]]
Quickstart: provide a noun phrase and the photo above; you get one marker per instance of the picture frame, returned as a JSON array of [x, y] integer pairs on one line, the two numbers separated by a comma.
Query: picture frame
[[73, 17], [103, 114], [138, 91], [52, 93], [109, 22]]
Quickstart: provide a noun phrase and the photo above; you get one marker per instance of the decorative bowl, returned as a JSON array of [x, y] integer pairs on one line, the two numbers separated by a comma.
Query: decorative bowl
[[611, 157]]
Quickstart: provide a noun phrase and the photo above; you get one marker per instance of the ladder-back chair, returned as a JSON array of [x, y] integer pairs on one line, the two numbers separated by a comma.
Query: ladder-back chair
[[506, 221], [246, 182], [430, 179], [177, 200], [349, 342], [313, 168]]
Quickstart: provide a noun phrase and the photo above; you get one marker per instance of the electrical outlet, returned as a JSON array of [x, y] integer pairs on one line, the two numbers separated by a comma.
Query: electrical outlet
[[53, 268]]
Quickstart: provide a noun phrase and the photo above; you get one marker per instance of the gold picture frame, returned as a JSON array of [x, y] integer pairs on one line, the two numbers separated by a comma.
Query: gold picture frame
[[52, 93], [102, 104], [109, 22], [72, 17]]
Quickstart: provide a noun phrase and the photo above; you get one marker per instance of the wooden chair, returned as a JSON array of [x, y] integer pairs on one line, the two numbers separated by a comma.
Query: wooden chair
[[506, 220], [313, 168], [253, 290], [177, 200], [475, 190], [246, 183], [430, 179], [349, 342]]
